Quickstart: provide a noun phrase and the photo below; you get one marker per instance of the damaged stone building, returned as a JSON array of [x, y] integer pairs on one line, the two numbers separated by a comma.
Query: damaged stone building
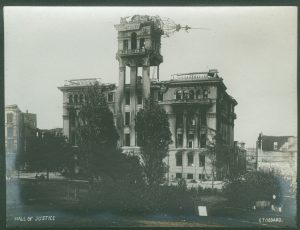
[[197, 104]]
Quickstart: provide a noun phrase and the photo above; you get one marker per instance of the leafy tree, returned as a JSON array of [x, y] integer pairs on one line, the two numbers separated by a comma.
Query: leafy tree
[[47, 151], [96, 132], [154, 137]]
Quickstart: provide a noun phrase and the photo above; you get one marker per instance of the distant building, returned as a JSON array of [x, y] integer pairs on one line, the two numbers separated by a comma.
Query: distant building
[[197, 104], [18, 127], [251, 159], [239, 158], [278, 153]]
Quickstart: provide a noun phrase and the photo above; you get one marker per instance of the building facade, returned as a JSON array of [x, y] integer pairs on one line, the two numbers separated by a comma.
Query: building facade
[[197, 104], [18, 127], [278, 153]]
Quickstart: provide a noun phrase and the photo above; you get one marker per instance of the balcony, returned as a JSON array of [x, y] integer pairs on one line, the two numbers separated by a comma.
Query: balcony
[[202, 101], [131, 52]]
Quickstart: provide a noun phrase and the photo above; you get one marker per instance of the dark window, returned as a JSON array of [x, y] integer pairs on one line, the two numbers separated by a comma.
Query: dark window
[[203, 140], [142, 43], [127, 139], [76, 99], [201, 176], [71, 99], [110, 97], [179, 120], [191, 120], [81, 98], [191, 96], [125, 44], [201, 160], [205, 93], [179, 95], [178, 175], [139, 99], [127, 118], [203, 119], [127, 98], [198, 94], [9, 117], [190, 159], [179, 140], [139, 80], [189, 176], [191, 140], [186, 94], [178, 159], [160, 96], [10, 132], [133, 41]]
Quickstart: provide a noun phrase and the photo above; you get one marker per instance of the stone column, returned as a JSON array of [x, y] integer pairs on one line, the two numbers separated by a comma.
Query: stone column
[[184, 129], [146, 81], [196, 139], [133, 97], [120, 103], [172, 123]]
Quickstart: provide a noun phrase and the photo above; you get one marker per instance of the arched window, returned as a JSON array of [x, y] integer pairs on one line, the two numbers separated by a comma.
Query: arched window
[[205, 93], [133, 41], [71, 98], [191, 94], [198, 94], [185, 94], [81, 98], [76, 99], [179, 95]]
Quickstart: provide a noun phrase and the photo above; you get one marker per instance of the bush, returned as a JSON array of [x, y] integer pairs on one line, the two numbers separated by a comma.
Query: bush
[[245, 190]]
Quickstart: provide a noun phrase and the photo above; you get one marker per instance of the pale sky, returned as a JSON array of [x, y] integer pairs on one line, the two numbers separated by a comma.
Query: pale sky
[[254, 49]]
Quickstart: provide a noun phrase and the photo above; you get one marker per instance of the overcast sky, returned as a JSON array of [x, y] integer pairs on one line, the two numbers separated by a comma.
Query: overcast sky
[[254, 49]]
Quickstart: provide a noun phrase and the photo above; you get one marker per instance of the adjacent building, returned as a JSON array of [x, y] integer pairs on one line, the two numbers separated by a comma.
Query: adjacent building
[[18, 127], [198, 105], [278, 153]]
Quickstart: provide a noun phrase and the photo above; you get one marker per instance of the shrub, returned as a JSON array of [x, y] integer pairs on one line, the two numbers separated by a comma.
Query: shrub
[[245, 190]]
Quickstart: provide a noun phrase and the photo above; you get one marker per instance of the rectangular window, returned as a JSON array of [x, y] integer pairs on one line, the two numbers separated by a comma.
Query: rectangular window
[[201, 160], [125, 44], [191, 140], [192, 121], [10, 132], [203, 140], [179, 120], [201, 176], [178, 159], [127, 139], [179, 140], [178, 175], [110, 97], [189, 176], [160, 96], [9, 117], [127, 98], [142, 43], [140, 99], [190, 159], [127, 118]]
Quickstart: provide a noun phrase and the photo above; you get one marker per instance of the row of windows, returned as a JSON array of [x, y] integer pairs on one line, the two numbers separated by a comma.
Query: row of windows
[[133, 41], [189, 94], [190, 144], [191, 120], [81, 98], [190, 176], [190, 159]]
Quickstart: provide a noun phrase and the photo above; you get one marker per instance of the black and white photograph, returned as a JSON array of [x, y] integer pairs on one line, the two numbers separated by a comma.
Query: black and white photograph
[[127, 116]]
